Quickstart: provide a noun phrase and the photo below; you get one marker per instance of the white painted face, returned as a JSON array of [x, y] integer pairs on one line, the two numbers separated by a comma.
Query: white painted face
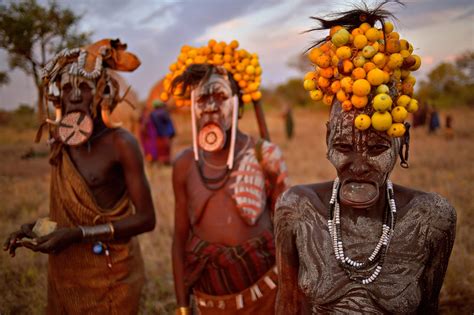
[[214, 102], [363, 159]]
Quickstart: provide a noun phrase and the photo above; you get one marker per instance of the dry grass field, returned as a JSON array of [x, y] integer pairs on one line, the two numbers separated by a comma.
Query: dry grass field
[[436, 164]]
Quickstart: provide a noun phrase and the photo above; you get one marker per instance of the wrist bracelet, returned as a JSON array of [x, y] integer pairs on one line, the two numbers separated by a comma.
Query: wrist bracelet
[[183, 311], [97, 232]]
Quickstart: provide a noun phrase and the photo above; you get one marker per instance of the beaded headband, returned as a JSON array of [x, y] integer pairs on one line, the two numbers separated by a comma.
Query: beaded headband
[[359, 62], [243, 66]]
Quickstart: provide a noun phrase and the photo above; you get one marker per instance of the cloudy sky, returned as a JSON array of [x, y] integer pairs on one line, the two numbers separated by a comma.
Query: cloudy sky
[[156, 29]]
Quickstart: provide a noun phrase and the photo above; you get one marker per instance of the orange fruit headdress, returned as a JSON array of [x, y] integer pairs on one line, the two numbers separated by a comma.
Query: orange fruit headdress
[[243, 66], [363, 59]]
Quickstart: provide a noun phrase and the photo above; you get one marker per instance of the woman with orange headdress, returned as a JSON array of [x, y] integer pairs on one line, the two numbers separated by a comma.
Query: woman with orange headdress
[[360, 244]]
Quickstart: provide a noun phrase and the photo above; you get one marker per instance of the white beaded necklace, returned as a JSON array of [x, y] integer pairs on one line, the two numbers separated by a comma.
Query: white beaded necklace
[[376, 259]]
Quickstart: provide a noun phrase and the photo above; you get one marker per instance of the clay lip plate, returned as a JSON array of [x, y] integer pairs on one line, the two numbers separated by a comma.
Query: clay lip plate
[[358, 194]]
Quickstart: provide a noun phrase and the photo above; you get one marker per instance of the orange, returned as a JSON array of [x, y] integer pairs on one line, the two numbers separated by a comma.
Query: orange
[[358, 73], [346, 105], [372, 34], [314, 54], [365, 26], [346, 84], [256, 95], [326, 72], [246, 98], [369, 66], [323, 82], [341, 96], [357, 31], [375, 77], [335, 86], [360, 41], [243, 84], [323, 61], [359, 101], [234, 44], [308, 76], [361, 87], [327, 99]]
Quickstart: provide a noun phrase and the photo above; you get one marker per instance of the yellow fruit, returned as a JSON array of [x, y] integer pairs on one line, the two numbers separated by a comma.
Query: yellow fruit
[[395, 61], [412, 106], [365, 26], [375, 77], [360, 41], [381, 121], [327, 99], [323, 61], [359, 61], [382, 102], [341, 96], [308, 76], [372, 34], [357, 31], [393, 46], [394, 35], [361, 87], [382, 88], [323, 82], [345, 66], [417, 64], [258, 70], [369, 51], [362, 122], [346, 84], [340, 38], [309, 85], [405, 53], [346, 105], [246, 98], [403, 100], [399, 114], [314, 54], [388, 27], [343, 52], [369, 66], [396, 130], [359, 101], [234, 44], [405, 73], [326, 72], [243, 84], [164, 96], [316, 95], [237, 77], [334, 29], [410, 80], [379, 59], [250, 69], [358, 73], [335, 86], [256, 95]]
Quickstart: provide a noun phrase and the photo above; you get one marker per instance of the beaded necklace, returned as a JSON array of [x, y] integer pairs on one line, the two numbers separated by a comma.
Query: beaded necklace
[[376, 259]]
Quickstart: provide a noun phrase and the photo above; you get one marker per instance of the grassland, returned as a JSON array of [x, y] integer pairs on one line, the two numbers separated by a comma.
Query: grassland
[[436, 164]]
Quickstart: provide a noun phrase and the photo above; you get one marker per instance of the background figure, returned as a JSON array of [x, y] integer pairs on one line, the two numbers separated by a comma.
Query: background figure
[[419, 117], [449, 127], [161, 120], [434, 123], [148, 136], [289, 122]]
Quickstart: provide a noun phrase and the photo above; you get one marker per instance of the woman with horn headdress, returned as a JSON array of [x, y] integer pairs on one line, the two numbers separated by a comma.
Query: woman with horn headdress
[[100, 198], [360, 244], [225, 187]]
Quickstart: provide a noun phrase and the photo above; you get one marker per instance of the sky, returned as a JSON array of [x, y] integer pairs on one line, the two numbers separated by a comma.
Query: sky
[[156, 29]]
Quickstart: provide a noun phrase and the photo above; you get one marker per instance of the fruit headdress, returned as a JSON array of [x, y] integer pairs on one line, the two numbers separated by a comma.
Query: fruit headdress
[[364, 59], [242, 65]]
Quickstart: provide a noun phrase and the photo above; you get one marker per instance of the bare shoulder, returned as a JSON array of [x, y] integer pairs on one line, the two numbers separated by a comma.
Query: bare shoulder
[[439, 213], [182, 162], [301, 202], [124, 140]]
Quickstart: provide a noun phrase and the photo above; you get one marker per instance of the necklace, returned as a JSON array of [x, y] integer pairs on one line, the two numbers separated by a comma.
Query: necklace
[[376, 259], [219, 181]]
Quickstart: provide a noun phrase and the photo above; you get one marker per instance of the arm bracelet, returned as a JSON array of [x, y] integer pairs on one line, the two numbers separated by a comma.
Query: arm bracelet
[[97, 232]]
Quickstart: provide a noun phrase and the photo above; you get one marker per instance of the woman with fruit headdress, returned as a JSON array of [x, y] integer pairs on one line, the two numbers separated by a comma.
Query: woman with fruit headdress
[[360, 244], [225, 187], [99, 195]]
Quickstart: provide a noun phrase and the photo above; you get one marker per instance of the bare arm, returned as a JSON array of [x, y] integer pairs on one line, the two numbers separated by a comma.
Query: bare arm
[[131, 159], [289, 297], [441, 239], [182, 228]]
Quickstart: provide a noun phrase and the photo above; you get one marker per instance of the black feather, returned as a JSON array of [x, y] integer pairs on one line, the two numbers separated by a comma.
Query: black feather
[[353, 18]]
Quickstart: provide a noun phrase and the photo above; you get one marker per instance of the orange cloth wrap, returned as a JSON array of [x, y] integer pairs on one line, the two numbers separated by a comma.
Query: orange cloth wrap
[[80, 282]]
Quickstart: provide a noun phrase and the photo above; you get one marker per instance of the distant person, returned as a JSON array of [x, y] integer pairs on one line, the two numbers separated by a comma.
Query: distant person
[[434, 123], [449, 127], [165, 131], [148, 136], [289, 122]]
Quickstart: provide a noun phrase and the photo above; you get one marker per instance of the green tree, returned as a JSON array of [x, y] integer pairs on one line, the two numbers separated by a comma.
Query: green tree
[[31, 34]]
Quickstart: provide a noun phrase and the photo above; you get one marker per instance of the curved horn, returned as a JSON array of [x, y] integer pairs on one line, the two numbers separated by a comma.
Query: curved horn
[[105, 113], [59, 115]]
